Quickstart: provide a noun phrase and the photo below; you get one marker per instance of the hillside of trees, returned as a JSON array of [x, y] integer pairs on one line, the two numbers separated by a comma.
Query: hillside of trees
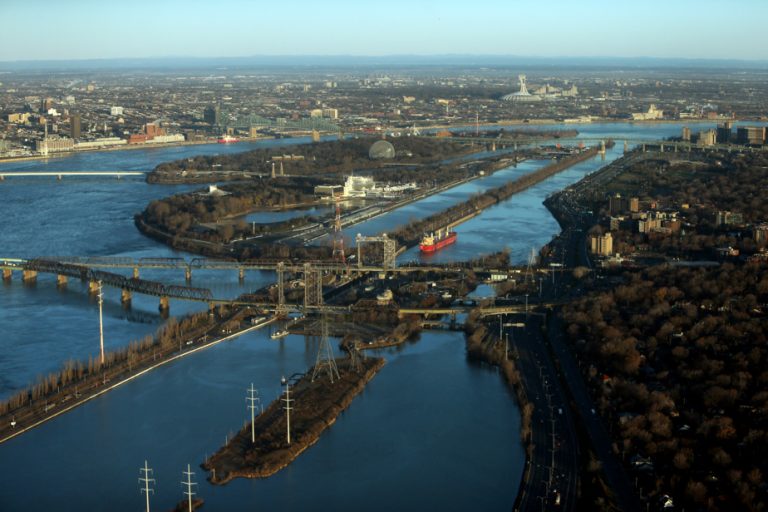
[[676, 358]]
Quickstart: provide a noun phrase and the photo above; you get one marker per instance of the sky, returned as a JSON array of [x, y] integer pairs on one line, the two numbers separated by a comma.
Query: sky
[[108, 29]]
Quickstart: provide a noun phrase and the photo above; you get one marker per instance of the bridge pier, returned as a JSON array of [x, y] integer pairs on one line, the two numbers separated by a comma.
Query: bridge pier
[[661, 147], [29, 276], [165, 304], [7, 274], [93, 287], [125, 297], [61, 280], [241, 274], [135, 272], [493, 146], [188, 274]]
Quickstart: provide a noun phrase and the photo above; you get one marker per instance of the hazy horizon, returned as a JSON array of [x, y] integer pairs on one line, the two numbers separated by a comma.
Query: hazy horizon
[[142, 29]]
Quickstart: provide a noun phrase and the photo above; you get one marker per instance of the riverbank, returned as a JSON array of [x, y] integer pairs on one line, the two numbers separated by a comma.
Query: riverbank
[[126, 147], [67, 397], [315, 407]]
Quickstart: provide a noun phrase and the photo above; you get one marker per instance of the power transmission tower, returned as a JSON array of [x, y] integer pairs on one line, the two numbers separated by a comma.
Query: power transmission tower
[[325, 360], [146, 480], [288, 408], [254, 403], [529, 268], [189, 484], [101, 323], [338, 235], [355, 356]]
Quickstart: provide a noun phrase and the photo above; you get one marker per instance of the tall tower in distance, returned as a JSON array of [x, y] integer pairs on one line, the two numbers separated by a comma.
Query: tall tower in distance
[[212, 115], [74, 126], [523, 88]]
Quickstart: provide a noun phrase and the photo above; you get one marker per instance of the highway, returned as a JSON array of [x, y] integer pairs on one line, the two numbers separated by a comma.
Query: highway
[[551, 480]]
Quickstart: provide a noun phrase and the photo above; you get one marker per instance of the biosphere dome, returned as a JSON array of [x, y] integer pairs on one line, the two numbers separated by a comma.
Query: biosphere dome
[[381, 150]]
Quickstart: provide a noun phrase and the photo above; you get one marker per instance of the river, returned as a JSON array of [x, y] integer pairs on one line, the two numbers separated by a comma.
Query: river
[[430, 431]]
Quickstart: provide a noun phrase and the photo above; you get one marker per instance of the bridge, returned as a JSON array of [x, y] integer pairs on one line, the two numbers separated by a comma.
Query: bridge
[[643, 144], [62, 174]]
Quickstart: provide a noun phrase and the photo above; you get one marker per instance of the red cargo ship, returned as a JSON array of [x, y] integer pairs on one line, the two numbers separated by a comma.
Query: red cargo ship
[[228, 139], [434, 242]]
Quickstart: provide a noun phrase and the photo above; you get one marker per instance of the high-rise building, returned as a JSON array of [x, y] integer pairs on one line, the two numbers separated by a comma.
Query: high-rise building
[[74, 126], [601, 245], [212, 115], [686, 134], [753, 135], [724, 133]]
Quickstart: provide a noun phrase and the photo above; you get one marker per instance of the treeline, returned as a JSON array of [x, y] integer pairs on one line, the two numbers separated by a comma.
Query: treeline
[[411, 234], [328, 157], [676, 358]]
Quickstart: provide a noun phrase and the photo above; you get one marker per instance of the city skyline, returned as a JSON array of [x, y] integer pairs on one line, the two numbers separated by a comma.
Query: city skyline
[[86, 29]]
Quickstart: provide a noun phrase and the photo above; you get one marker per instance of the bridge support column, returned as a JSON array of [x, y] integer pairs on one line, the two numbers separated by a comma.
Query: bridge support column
[[7, 274], [188, 274], [61, 280], [93, 287], [165, 304], [135, 272], [661, 148], [241, 274], [29, 276], [125, 297]]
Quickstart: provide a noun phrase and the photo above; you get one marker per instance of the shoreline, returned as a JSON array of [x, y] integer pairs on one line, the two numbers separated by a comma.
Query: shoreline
[[239, 458], [84, 399]]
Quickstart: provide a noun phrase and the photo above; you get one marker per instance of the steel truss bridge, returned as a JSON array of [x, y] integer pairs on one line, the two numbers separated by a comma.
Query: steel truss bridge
[[90, 269]]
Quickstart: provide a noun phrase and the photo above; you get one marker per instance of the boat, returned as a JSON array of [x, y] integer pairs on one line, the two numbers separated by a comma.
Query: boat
[[279, 334], [227, 139], [433, 242]]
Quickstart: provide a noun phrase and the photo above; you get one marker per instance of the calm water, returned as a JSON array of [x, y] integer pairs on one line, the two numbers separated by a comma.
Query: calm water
[[431, 431]]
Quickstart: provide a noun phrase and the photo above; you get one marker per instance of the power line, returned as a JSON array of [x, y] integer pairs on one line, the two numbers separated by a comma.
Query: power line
[[101, 322]]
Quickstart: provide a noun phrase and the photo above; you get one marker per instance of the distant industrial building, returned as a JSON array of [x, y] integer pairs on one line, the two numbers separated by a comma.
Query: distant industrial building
[[50, 145], [652, 114], [752, 135], [602, 245], [19, 118]]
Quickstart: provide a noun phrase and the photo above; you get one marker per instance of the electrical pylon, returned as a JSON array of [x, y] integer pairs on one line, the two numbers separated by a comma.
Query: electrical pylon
[[338, 235], [325, 360], [146, 480]]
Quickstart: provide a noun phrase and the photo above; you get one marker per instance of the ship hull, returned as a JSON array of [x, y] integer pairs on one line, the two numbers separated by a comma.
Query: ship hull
[[438, 244]]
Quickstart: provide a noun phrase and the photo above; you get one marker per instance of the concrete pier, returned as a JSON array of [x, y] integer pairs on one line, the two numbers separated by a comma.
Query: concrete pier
[[7, 274], [241, 274], [29, 276], [125, 297], [165, 304], [93, 287], [188, 274], [135, 272], [61, 280]]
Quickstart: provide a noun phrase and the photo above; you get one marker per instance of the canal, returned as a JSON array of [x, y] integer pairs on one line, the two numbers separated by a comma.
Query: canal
[[430, 431]]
